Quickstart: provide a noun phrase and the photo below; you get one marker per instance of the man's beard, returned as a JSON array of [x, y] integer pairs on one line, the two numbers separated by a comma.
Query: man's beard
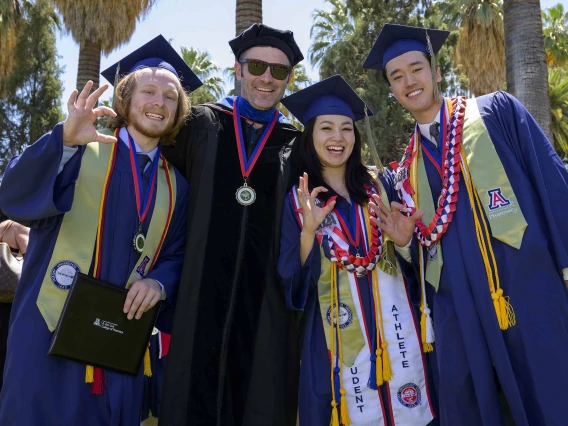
[[148, 132]]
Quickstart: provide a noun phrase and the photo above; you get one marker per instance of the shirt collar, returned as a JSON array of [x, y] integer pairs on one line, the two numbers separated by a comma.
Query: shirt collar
[[123, 134]]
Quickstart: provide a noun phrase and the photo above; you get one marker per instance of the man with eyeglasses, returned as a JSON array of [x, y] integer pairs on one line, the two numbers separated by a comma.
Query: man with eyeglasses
[[234, 356]]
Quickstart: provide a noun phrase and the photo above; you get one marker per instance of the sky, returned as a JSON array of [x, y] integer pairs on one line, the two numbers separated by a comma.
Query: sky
[[207, 25]]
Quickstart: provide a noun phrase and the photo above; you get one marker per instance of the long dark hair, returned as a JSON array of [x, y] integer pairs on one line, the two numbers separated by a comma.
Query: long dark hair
[[357, 176]]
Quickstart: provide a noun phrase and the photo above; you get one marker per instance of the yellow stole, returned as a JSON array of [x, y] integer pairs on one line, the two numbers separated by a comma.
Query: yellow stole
[[500, 204], [74, 248]]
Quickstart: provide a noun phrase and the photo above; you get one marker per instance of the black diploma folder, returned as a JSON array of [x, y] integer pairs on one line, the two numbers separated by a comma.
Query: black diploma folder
[[94, 330]]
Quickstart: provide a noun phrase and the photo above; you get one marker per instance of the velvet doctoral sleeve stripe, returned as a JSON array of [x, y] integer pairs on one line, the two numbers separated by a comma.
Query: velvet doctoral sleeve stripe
[[295, 278], [31, 188], [544, 168], [167, 269]]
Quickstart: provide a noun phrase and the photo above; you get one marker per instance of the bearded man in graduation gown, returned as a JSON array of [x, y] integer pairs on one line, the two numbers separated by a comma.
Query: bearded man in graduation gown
[[234, 357], [95, 208], [493, 241]]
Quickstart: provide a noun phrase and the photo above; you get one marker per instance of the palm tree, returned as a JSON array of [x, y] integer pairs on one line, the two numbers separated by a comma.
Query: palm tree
[[481, 41], [558, 85], [527, 75], [555, 30], [10, 20], [329, 28], [99, 27], [299, 81], [247, 12], [205, 69]]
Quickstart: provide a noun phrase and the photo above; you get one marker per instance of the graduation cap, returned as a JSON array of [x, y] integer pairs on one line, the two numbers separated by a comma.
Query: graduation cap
[[263, 35], [332, 96], [156, 53], [395, 40]]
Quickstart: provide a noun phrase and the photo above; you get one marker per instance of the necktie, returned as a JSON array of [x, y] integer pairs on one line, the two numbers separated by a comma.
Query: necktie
[[435, 132], [143, 160]]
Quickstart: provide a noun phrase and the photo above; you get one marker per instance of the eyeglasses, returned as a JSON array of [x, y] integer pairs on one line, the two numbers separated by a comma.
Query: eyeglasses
[[256, 68]]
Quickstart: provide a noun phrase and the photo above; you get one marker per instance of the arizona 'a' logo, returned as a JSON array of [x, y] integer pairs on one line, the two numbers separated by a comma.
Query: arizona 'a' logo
[[497, 199], [142, 267]]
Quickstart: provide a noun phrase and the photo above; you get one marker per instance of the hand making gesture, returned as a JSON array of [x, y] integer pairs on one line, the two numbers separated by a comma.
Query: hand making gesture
[[312, 214], [79, 127], [397, 225]]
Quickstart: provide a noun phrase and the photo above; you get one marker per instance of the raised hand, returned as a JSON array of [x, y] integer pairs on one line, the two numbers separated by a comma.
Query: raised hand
[[79, 127], [312, 214], [397, 226]]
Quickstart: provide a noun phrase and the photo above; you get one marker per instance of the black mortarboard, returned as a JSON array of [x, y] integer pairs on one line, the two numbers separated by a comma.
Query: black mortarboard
[[156, 53], [332, 96], [395, 40], [263, 35]]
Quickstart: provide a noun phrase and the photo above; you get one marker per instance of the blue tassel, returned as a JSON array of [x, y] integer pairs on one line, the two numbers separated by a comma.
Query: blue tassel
[[336, 383], [372, 383]]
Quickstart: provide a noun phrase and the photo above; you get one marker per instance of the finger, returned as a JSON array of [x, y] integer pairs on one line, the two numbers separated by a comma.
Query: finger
[[399, 207], [381, 214], [105, 138], [94, 97], [305, 189], [417, 215], [380, 203], [82, 99], [71, 101], [130, 296], [145, 304], [380, 207], [104, 110], [138, 300], [155, 300], [317, 190], [327, 209]]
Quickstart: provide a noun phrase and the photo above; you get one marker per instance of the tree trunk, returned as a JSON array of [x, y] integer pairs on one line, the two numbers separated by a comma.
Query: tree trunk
[[248, 12], [89, 64], [527, 73]]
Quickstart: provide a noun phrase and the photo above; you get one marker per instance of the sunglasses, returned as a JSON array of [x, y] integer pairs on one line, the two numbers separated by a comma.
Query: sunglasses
[[257, 68]]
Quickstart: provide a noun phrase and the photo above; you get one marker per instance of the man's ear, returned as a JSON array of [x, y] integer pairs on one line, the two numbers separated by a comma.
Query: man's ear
[[238, 71], [438, 75], [291, 77]]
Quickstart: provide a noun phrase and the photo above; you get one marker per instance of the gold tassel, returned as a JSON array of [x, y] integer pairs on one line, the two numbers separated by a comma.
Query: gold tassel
[[379, 367], [344, 410], [89, 374], [147, 365], [387, 370], [334, 414], [372, 146], [433, 69]]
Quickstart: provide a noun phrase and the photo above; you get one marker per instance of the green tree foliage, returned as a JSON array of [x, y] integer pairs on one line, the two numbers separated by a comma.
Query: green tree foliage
[[203, 66], [299, 81], [32, 105], [555, 28], [341, 39], [558, 86]]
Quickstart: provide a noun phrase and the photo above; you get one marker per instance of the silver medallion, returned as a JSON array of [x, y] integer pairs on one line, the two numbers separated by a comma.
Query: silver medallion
[[139, 241], [245, 195]]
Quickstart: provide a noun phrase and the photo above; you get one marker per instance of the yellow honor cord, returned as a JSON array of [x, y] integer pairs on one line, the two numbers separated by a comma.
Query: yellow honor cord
[[147, 364], [503, 309], [332, 296], [383, 367], [89, 374], [425, 320]]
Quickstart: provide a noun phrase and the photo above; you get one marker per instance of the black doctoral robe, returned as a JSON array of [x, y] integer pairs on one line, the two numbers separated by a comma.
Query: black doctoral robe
[[234, 355]]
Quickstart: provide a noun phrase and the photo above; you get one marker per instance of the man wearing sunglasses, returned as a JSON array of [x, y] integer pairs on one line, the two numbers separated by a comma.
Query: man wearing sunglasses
[[234, 356]]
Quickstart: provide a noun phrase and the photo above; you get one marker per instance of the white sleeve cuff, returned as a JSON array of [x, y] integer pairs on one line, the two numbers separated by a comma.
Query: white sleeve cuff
[[404, 251], [565, 273], [68, 152]]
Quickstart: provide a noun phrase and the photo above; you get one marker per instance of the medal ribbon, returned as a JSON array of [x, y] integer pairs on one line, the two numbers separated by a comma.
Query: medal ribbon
[[137, 176], [247, 164], [345, 226]]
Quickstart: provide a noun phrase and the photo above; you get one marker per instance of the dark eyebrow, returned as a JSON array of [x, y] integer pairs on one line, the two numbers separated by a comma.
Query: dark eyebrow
[[330, 122], [410, 65]]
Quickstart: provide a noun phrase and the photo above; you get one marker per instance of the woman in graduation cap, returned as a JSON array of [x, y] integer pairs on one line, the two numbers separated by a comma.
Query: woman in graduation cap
[[362, 361]]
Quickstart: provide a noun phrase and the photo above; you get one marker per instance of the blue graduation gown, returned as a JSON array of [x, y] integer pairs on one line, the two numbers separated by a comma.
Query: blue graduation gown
[[300, 288], [474, 357], [40, 389]]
